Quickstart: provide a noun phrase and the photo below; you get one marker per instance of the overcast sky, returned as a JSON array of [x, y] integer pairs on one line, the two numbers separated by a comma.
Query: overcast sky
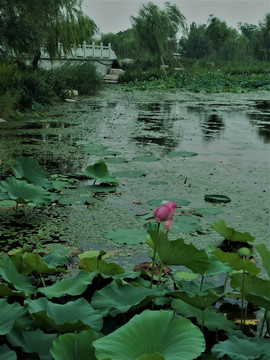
[[114, 15]]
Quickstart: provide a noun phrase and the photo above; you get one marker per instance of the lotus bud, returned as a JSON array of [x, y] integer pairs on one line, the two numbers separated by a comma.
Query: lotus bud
[[244, 252], [164, 212]]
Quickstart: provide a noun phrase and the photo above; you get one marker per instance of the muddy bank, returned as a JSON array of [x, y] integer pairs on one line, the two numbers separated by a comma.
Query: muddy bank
[[144, 132]]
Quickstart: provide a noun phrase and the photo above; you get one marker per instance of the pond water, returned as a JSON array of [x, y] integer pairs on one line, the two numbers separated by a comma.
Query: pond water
[[144, 133]]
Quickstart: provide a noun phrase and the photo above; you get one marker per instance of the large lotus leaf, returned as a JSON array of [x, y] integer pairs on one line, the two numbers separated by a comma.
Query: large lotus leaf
[[212, 319], [126, 236], [75, 346], [99, 171], [177, 252], [118, 298], [216, 267], [259, 300], [200, 300], [31, 262], [152, 332], [23, 192], [230, 234], [74, 285], [252, 284], [242, 348], [33, 342], [9, 314], [7, 203], [265, 255], [154, 356], [9, 273], [5, 290], [236, 262], [70, 316], [185, 224], [6, 353], [93, 264], [29, 169]]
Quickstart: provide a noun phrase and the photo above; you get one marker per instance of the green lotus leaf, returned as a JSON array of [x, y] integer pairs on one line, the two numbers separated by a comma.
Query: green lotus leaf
[[6, 353], [33, 342], [230, 234], [235, 261], [29, 169], [93, 264], [182, 153], [95, 149], [212, 319], [242, 348], [20, 282], [126, 236], [27, 263], [216, 198], [265, 255], [146, 158], [99, 171], [154, 356], [185, 224], [216, 267], [101, 188], [9, 314], [200, 300], [5, 290], [23, 192], [252, 284], [75, 346], [152, 332], [118, 298], [177, 252], [114, 160], [259, 300], [71, 316], [74, 285]]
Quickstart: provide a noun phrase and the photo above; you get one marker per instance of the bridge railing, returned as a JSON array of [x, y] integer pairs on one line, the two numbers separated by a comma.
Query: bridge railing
[[84, 51]]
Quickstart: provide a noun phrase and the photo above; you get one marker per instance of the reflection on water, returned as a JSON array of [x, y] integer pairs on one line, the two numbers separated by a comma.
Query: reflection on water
[[212, 126], [260, 119], [156, 125]]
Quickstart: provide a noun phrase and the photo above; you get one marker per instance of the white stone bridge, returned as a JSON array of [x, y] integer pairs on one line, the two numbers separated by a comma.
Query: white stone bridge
[[102, 56]]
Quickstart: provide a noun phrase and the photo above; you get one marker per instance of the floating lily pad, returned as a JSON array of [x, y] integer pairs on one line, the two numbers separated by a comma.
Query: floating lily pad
[[158, 182], [130, 173], [146, 158], [155, 203], [217, 198], [95, 149], [101, 188], [114, 160], [185, 224], [182, 154], [126, 236]]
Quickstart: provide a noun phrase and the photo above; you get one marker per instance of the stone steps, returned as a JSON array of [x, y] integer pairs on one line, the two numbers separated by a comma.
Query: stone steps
[[113, 76]]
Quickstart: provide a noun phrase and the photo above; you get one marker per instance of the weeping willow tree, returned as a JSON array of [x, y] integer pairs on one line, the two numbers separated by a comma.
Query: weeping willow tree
[[156, 29], [26, 26]]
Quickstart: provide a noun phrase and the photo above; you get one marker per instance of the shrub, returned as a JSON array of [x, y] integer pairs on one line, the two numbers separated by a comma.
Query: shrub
[[8, 103]]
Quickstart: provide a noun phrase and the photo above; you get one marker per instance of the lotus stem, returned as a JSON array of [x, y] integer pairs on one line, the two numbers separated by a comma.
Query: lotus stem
[[160, 273], [154, 256], [263, 322], [242, 290], [202, 326], [201, 285], [225, 282]]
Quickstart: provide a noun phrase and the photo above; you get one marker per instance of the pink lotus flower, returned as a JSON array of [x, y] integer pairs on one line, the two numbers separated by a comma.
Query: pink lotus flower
[[164, 212], [167, 224]]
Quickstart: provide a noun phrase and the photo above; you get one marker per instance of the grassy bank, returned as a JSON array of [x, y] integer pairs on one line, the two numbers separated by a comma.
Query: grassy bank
[[22, 89]]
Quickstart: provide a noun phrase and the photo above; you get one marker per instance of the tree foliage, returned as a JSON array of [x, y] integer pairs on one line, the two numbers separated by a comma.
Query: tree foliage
[[156, 28], [27, 25]]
